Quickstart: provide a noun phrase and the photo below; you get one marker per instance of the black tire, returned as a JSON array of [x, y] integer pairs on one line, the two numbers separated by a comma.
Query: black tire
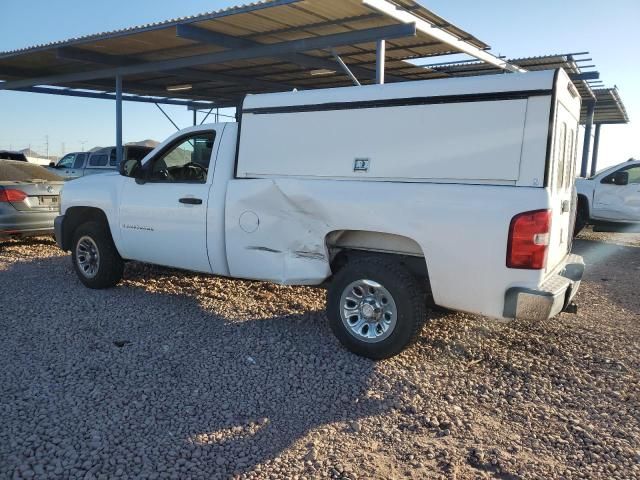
[[110, 266], [407, 292], [582, 219]]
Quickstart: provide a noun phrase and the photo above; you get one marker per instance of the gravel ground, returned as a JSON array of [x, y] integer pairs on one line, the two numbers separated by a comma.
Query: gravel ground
[[175, 375]]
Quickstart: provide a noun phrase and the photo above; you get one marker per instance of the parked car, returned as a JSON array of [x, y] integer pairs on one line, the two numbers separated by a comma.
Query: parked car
[[29, 199], [79, 164], [9, 155], [610, 200], [386, 194]]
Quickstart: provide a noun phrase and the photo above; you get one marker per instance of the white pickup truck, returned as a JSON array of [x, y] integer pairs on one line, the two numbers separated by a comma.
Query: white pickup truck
[[458, 192], [610, 200]]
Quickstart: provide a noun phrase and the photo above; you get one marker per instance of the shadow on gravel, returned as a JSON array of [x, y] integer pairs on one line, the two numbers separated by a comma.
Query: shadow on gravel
[[128, 381], [602, 260], [27, 241]]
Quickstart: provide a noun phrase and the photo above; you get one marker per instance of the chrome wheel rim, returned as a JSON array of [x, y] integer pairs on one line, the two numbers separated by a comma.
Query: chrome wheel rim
[[368, 311], [87, 257]]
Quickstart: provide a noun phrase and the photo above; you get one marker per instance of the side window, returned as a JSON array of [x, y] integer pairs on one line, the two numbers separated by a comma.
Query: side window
[[561, 152], [79, 163], [98, 160], [66, 162], [186, 161], [634, 174]]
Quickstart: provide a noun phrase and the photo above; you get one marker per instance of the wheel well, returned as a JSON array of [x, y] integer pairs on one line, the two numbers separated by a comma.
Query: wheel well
[[344, 245], [583, 203], [76, 216]]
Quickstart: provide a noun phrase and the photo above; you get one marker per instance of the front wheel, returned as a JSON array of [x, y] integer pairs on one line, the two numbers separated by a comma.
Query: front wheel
[[94, 256], [376, 306]]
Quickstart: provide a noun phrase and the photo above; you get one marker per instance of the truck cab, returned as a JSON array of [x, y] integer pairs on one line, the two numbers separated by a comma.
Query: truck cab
[[610, 200]]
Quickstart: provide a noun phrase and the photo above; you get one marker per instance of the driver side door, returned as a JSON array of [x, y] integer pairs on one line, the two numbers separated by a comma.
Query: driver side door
[[618, 202], [163, 215]]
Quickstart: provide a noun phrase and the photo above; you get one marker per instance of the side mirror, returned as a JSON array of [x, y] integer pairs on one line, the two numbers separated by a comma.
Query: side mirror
[[52, 164], [131, 168], [621, 178]]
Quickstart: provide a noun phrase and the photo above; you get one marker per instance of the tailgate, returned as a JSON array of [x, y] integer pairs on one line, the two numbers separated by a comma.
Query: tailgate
[[562, 186]]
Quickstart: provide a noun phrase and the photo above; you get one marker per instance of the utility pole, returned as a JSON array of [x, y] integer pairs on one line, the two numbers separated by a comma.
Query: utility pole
[[83, 143], [47, 145], [63, 150]]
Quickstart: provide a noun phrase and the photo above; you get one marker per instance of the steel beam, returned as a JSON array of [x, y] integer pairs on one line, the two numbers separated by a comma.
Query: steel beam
[[381, 56], [202, 35], [168, 117], [195, 112], [86, 56], [405, 16], [596, 148], [591, 107], [345, 68], [584, 76], [271, 50], [109, 96], [119, 152]]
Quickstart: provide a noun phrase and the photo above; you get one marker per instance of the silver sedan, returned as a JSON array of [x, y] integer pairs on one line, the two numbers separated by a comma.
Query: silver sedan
[[29, 199]]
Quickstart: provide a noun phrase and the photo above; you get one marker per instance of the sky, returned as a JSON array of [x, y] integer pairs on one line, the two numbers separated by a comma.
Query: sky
[[514, 29]]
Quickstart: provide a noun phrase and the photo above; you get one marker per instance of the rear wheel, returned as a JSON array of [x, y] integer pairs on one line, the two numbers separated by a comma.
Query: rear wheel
[[375, 306], [94, 256]]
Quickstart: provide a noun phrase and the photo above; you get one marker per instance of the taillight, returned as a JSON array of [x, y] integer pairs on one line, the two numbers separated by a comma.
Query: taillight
[[12, 195], [529, 240]]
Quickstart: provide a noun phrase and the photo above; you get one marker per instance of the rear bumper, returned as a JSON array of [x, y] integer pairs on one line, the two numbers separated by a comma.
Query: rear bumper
[[26, 224], [550, 298]]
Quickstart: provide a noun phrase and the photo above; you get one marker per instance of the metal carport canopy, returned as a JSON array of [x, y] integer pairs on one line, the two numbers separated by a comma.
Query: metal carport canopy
[[267, 46]]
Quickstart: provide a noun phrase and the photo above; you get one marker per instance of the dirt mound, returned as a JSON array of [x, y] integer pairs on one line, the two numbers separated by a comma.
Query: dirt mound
[[13, 171]]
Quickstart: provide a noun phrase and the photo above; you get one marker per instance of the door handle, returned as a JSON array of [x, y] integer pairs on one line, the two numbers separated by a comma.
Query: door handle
[[191, 201]]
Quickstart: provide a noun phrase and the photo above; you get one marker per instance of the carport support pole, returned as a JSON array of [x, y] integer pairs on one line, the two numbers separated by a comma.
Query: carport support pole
[[119, 119], [596, 147], [195, 118], [591, 107], [381, 53]]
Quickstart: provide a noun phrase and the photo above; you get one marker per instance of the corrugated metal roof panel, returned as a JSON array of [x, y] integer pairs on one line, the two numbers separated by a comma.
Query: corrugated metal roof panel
[[235, 10], [609, 107], [264, 22]]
